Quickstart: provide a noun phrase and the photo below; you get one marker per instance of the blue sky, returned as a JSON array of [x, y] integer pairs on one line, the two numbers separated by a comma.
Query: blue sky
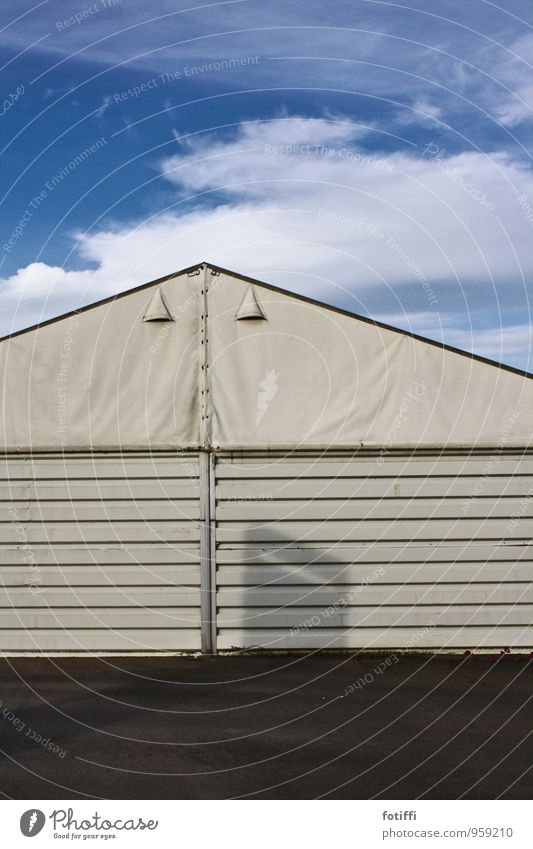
[[376, 155]]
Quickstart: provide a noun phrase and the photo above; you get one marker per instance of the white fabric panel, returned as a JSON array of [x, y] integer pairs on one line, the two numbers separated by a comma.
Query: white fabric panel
[[105, 378], [308, 376]]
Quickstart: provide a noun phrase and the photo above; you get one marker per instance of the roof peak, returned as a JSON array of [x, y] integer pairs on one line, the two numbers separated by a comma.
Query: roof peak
[[204, 264]]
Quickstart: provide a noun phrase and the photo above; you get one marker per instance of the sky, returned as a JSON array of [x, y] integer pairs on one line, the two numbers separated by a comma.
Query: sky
[[374, 155]]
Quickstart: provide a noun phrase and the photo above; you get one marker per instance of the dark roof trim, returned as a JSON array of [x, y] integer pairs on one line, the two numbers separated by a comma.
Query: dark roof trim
[[101, 303], [442, 345], [367, 320]]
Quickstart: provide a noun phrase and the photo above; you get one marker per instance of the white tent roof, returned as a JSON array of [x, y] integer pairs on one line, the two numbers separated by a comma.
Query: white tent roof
[[208, 357]]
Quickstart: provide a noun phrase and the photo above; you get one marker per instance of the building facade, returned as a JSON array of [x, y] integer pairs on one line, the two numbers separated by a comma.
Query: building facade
[[208, 463]]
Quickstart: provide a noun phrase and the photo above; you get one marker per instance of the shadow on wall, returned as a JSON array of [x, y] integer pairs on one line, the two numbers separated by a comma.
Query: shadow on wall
[[277, 593]]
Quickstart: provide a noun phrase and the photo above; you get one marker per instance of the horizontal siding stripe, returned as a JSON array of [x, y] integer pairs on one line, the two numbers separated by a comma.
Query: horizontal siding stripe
[[368, 508], [104, 555], [373, 487], [99, 575], [372, 466], [99, 639], [134, 617], [98, 469], [387, 617], [103, 596], [394, 573], [73, 511], [288, 532], [278, 597], [276, 639], [101, 532], [99, 490], [375, 553]]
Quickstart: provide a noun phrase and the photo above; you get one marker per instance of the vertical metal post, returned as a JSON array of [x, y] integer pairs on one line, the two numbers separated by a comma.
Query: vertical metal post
[[213, 550], [207, 487], [204, 360], [206, 595]]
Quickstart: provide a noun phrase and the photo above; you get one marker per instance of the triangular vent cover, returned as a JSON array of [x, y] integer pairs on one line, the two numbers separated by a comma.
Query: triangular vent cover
[[250, 306], [158, 309]]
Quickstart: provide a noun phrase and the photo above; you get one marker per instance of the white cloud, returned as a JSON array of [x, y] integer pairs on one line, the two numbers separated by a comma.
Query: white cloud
[[443, 56], [517, 107], [512, 343], [106, 103], [456, 217], [39, 291], [299, 203], [514, 106], [499, 343], [422, 112]]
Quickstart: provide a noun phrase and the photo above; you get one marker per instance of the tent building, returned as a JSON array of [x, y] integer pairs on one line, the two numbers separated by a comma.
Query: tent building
[[208, 463]]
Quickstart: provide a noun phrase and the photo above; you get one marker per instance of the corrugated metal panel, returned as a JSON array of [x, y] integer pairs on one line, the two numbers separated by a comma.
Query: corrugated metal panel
[[99, 552], [374, 551]]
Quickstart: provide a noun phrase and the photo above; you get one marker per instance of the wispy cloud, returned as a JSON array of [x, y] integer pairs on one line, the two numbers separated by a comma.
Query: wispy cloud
[[444, 60], [303, 203], [515, 70], [421, 112]]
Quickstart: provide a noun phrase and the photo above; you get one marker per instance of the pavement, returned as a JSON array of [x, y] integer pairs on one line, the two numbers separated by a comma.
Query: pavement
[[257, 727]]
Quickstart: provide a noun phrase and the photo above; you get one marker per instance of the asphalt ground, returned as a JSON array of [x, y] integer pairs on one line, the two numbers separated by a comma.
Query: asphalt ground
[[291, 727]]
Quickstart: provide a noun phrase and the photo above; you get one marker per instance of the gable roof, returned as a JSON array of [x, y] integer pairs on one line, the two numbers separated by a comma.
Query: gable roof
[[303, 298]]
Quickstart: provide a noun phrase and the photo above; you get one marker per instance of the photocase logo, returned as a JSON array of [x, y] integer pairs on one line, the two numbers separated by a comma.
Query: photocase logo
[[32, 822], [267, 390]]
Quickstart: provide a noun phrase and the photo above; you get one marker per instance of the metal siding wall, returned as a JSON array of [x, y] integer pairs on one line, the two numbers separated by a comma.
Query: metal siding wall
[[374, 552], [99, 552]]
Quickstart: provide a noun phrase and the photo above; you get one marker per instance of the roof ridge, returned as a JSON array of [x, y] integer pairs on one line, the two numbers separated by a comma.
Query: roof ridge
[[279, 289]]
